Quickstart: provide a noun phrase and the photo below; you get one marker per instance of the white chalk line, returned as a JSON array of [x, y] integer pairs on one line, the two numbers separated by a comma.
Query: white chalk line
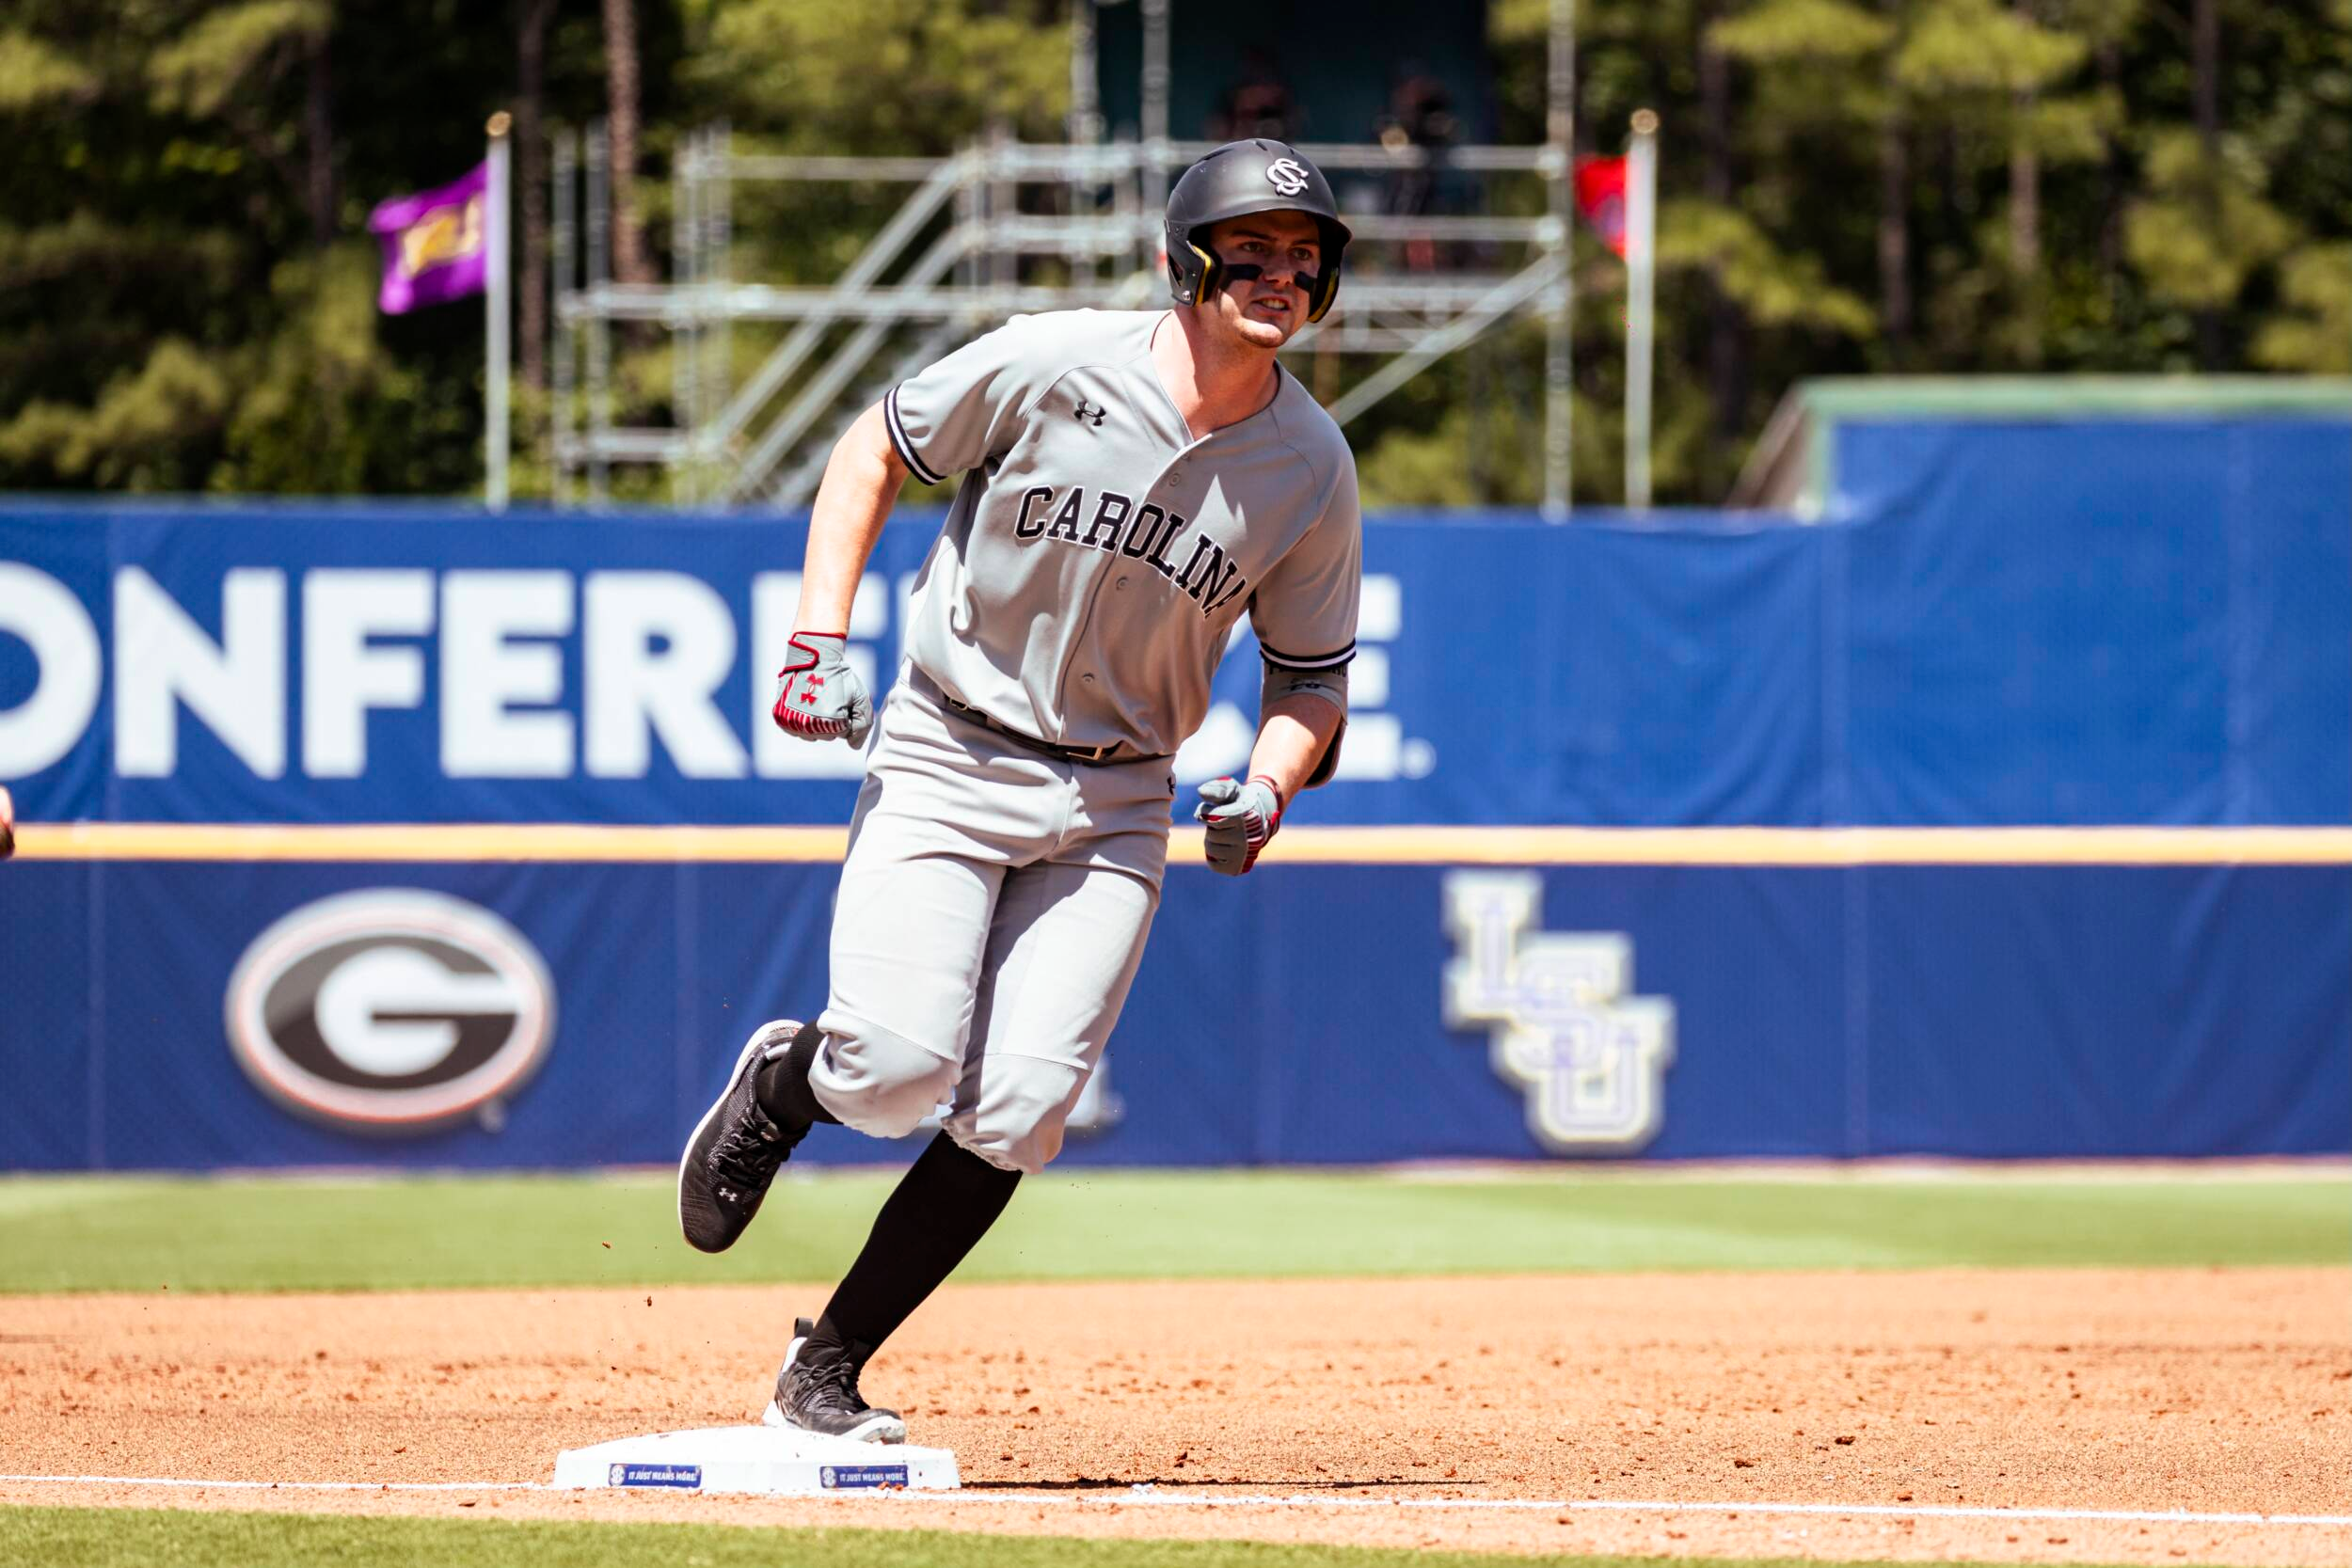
[[1150, 1497]]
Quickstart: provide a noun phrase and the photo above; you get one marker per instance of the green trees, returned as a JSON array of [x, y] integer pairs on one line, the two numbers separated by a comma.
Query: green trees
[[187, 295], [1966, 187], [1849, 185]]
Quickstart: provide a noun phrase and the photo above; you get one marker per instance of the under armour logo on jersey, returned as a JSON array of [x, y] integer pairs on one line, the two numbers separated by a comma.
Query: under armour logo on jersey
[[1093, 412], [1286, 175]]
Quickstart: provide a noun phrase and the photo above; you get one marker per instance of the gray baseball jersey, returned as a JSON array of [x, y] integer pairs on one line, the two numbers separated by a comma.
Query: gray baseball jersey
[[1098, 554]]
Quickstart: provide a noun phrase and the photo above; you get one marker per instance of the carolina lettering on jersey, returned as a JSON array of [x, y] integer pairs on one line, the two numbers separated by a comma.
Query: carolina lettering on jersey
[[1208, 577], [1077, 473]]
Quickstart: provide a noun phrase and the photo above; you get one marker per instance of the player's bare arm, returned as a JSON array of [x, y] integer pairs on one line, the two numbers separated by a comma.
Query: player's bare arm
[[819, 697], [1300, 719], [862, 479], [1293, 734]]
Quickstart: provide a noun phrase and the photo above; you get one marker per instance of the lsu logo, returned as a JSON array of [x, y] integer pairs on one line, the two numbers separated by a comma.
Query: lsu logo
[[1286, 175], [1591, 1057]]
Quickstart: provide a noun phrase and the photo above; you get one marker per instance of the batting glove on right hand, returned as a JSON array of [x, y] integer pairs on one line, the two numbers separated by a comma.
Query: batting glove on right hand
[[819, 697], [1241, 818]]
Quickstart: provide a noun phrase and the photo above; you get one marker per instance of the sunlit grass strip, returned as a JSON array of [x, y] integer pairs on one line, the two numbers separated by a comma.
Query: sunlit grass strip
[[314, 1233], [139, 1538]]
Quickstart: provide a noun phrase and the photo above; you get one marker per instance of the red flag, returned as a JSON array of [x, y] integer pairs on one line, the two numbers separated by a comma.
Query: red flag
[[1600, 196]]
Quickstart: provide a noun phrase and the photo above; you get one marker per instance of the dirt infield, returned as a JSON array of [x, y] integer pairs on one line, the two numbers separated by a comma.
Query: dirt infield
[[2206, 1392]]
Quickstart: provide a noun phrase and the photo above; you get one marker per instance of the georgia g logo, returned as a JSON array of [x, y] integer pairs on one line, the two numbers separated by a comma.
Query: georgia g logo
[[1286, 175], [390, 1010], [1591, 1059]]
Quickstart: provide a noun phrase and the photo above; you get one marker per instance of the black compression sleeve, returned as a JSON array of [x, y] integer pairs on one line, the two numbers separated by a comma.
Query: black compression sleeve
[[943, 1206]]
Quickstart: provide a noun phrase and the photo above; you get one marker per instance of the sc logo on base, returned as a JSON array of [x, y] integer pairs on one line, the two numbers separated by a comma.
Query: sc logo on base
[[390, 1010], [1561, 1024]]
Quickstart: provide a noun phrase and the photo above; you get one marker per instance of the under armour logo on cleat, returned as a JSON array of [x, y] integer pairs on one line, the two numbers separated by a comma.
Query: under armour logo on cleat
[[1092, 411]]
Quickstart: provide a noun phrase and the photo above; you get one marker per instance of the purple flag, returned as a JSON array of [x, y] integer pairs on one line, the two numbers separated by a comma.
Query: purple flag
[[437, 244]]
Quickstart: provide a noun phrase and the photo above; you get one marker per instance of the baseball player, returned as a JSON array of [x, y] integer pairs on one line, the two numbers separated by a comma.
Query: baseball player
[[1134, 483]]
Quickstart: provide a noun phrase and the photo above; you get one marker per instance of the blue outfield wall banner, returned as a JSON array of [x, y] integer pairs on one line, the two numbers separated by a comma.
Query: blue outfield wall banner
[[2123, 623], [2095, 621], [196, 1015], [2131, 625], [328, 664]]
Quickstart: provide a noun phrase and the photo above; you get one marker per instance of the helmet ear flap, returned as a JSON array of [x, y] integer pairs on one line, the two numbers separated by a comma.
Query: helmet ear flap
[[1205, 284], [1327, 290], [1328, 280]]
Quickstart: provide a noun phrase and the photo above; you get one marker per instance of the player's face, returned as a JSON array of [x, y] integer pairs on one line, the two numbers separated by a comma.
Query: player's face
[[1264, 310]]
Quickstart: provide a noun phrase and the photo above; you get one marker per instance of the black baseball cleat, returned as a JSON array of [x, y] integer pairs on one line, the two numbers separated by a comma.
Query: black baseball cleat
[[816, 1391], [735, 1150]]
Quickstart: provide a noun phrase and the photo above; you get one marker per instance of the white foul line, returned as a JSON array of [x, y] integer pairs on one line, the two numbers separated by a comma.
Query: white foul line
[[1147, 1495], [1149, 1498]]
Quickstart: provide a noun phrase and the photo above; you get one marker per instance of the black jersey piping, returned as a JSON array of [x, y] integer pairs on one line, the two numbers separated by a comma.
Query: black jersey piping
[[1316, 662], [898, 432]]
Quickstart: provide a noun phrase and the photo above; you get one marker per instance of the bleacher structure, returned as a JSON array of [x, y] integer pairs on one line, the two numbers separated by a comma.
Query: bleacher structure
[[966, 249]]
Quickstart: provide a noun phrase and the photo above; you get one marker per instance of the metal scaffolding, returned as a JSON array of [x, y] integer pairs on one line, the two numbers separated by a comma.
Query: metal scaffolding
[[1002, 228]]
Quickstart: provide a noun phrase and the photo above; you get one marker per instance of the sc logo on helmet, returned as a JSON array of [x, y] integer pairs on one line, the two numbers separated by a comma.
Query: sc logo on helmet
[[1286, 175], [390, 1010]]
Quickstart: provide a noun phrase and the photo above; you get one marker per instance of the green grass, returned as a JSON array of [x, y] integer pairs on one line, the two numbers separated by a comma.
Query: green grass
[[122, 1538], [116, 1233]]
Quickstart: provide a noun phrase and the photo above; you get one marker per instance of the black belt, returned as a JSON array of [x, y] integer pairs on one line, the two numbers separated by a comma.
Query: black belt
[[1091, 755]]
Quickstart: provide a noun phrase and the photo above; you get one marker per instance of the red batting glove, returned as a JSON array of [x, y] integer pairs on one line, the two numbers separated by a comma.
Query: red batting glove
[[819, 697]]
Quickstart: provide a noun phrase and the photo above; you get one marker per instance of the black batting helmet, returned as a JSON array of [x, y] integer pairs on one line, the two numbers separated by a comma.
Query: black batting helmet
[[1240, 178]]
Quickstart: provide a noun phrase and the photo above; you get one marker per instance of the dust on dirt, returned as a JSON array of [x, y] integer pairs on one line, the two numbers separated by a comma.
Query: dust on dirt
[[2208, 1391]]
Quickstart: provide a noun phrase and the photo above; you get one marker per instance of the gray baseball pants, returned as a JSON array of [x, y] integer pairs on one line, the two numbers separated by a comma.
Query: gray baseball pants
[[991, 914]]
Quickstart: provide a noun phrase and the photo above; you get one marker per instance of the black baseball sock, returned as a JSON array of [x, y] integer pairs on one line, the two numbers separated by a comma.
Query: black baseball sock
[[781, 1086], [943, 1206]]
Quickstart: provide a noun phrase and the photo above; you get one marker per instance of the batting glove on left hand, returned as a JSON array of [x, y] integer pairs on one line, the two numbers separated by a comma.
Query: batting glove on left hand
[[819, 697], [1241, 818]]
